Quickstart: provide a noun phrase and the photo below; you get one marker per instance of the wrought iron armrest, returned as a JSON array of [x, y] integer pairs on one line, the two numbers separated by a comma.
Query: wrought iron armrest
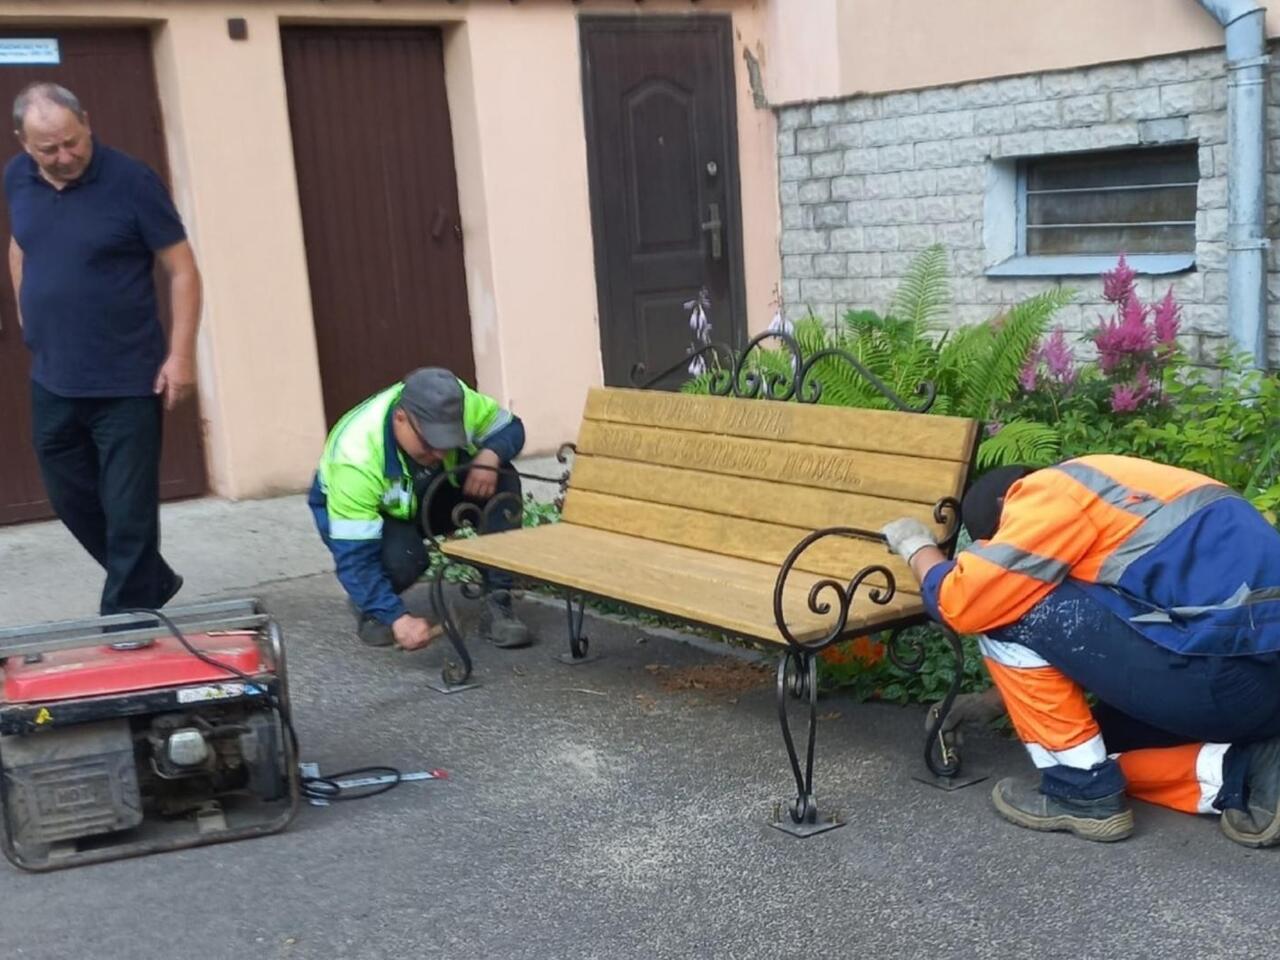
[[947, 512], [476, 516], [841, 594], [906, 652], [469, 514], [564, 457]]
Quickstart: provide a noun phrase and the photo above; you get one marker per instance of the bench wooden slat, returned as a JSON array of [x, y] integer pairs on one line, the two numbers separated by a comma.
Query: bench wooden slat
[[766, 543], [874, 474], [688, 506], [725, 592], [767, 501], [877, 431]]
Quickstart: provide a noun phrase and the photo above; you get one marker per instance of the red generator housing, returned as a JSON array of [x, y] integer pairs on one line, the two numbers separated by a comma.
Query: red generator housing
[[117, 738]]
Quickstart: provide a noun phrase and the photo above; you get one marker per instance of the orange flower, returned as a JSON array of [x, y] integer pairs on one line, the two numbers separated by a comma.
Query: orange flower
[[837, 653], [867, 650], [858, 650]]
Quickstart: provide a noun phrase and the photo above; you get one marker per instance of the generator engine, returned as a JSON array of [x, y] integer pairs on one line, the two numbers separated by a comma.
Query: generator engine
[[136, 741]]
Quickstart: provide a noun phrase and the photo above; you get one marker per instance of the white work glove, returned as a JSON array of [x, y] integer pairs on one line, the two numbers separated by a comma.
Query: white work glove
[[907, 536]]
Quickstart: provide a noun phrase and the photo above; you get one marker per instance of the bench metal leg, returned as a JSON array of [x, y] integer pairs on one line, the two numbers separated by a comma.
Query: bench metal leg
[[798, 676], [455, 676], [941, 755], [579, 645]]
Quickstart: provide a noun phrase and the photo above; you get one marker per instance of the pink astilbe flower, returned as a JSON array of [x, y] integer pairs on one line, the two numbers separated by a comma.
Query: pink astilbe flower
[[1117, 284], [1059, 358], [1137, 345], [1124, 398], [1027, 376], [1166, 318], [1128, 397], [1127, 335], [1146, 389]]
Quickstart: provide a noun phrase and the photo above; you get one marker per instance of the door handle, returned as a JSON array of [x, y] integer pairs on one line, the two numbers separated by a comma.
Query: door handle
[[715, 227], [437, 226]]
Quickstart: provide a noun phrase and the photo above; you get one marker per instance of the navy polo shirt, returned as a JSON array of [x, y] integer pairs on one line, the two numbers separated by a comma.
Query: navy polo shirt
[[88, 294]]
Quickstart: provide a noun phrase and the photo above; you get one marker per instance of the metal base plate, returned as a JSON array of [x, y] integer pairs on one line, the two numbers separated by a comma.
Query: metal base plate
[[571, 660], [949, 783], [789, 826], [439, 686]]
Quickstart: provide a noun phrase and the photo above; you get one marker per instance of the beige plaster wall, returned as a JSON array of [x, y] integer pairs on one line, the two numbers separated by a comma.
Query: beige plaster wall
[[516, 101], [883, 45], [227, 126]]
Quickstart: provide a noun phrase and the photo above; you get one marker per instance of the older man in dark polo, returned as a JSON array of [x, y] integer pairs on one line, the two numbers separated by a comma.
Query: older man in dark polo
[[89, 224]]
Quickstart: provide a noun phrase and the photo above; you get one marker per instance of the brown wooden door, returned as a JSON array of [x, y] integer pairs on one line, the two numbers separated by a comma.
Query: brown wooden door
[[662, 145], [112, 73], [374, 156]]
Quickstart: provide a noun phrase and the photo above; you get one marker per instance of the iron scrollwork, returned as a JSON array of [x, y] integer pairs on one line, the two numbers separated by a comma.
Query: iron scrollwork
[[907, 653], [841, 594], [798, 677], [743, 376], [471, 514], [947, 513], [565, 456], [940, 753], [466, 515], [827, 596]]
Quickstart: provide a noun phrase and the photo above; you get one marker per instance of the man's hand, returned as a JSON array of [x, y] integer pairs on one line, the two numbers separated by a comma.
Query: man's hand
[[907, 536], [969, 708], [481, 484], [413, 633], [178, 375], [15, 274], [176, 380]]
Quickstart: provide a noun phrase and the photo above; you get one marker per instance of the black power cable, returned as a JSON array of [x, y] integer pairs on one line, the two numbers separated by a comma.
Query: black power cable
[[312, 788]]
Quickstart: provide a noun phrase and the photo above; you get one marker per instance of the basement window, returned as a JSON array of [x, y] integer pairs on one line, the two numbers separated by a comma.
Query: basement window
[[1075, 213]]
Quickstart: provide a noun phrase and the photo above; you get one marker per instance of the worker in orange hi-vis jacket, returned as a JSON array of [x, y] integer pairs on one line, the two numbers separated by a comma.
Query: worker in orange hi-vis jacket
[[1154, 589]]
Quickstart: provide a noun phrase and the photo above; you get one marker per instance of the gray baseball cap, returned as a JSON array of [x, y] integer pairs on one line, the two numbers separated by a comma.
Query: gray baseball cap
[[433, 398]]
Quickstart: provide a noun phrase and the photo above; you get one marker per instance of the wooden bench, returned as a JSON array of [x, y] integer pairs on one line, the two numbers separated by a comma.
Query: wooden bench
[[753, 517]]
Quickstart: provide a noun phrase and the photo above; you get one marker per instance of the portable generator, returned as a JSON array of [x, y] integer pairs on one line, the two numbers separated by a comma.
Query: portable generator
[[142, 732]]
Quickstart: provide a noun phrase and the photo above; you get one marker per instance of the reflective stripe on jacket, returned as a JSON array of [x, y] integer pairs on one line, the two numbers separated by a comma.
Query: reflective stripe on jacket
[[1190, 563]]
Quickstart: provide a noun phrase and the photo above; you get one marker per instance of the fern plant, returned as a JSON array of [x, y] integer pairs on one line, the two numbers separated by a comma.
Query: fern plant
[[1020, 441], [922, 301], [978, 366]]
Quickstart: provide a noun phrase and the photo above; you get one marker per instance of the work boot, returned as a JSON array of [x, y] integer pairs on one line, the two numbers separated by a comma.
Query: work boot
[[372, 631], [1106, 819], [1259, 825], [499, 625]]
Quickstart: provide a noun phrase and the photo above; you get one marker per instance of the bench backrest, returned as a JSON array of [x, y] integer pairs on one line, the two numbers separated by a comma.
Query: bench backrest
[[750, 478]]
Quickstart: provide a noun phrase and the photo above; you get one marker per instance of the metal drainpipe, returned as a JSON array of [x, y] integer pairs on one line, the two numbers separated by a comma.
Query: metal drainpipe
[[1247, 243]]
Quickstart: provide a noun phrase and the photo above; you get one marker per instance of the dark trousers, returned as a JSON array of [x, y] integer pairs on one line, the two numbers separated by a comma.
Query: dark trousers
[[100, 460], [1156, 697], [1147, 696], [404, 555]]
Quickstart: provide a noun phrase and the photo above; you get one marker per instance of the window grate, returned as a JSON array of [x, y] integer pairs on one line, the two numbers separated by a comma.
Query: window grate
[[1106, 203]]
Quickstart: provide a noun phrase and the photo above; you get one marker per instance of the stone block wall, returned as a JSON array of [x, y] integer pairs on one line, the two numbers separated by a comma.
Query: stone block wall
[[868, 182]]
